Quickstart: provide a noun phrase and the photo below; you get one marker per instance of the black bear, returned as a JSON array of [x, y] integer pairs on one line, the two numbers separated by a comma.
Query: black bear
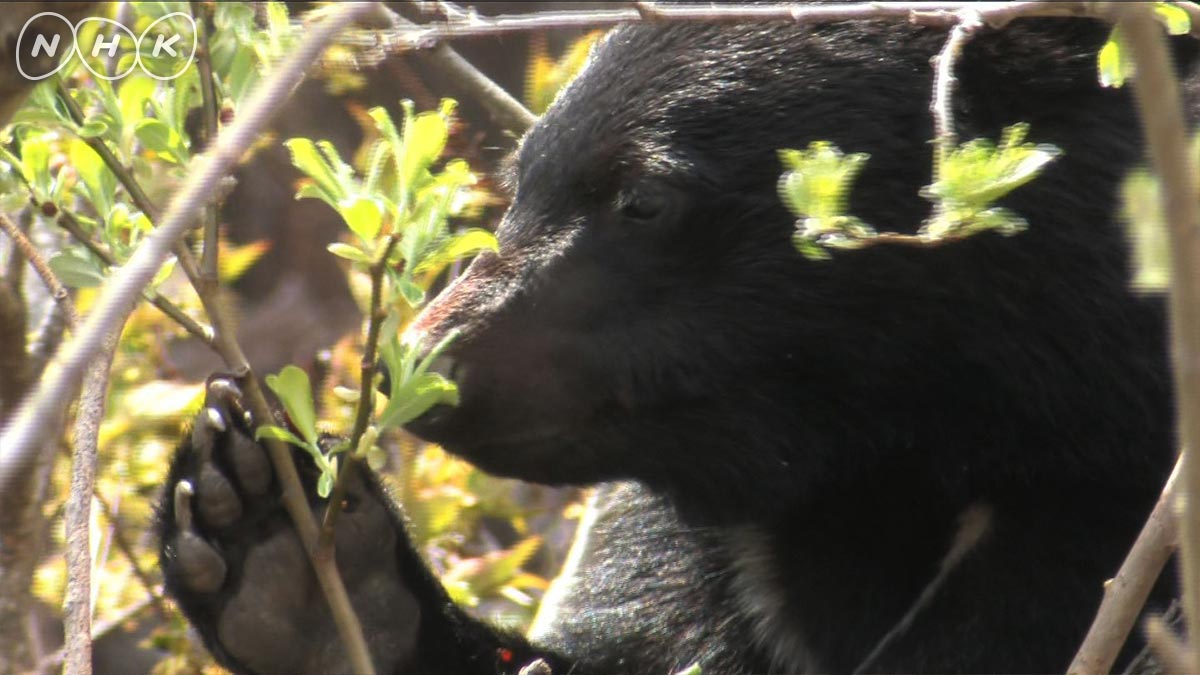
[[903, 459]]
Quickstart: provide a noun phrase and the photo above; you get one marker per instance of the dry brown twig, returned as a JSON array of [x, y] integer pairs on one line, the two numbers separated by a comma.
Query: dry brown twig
[[35, 259]]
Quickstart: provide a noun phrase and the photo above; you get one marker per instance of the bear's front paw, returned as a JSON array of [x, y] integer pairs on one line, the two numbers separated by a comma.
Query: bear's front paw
[[232, 559]]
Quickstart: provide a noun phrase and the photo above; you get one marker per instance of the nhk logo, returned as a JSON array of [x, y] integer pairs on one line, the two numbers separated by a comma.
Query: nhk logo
[[161, 46]]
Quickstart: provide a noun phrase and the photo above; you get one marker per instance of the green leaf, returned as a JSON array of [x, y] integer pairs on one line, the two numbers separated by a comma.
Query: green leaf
[[815, 187], [134, 92], [693, 669], [306, 157], [155, 135], [376, 458], [99, 182], [349, 252], [278, 433], [418, 395], [979, 172], [41, 118], [325, 484], [1114, 63], [93, 128], [462, 245], [35, 163], [413, 294], [163, 272], [364, 215], [1141, 207], [76, 267], [1175, 19], [292, 387]]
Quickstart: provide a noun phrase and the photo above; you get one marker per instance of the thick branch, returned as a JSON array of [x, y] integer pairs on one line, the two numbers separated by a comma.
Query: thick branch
[[1158, 97], [77, 600], [1126, 593]]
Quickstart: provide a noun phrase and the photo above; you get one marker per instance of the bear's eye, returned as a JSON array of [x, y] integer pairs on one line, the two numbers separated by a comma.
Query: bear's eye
[[643, 206]]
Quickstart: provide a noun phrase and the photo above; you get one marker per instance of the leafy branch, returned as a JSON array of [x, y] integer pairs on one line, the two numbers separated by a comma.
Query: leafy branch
[[19, 440]]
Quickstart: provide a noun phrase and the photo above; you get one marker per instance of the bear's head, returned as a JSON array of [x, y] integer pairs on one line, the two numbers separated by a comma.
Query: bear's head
[[648, 317]]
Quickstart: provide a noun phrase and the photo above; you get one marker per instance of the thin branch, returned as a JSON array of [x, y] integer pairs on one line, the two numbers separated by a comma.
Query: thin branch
[[502, 106], [944, 81], [136, 193], [100, 629], [122, 540], [362, 414], [208, 108], [58, 291], [1125, 594], [945, 14], [187, 262], [47, 338], [1162, 118], [77, 599], [19, 439], [71, 224]]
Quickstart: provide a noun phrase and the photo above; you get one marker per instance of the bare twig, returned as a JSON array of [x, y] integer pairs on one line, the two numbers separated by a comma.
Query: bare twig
[[57, 290], [945, 14], [77, 599], [1158, 97], [504, 109], [208, 107], [942, 105], [362, 414], [19, 440], [100, 629], [121, 537], [1126, 593]]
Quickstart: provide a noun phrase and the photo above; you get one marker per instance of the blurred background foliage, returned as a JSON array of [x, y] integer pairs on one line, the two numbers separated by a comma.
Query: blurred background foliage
[[495, 543]]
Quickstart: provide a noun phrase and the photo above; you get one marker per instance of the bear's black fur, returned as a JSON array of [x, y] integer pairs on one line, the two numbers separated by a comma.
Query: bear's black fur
[[905, 459]]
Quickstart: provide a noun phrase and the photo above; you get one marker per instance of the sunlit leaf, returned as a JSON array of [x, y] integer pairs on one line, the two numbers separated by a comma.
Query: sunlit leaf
[[462, 245], [309, 160], [236, 260], [364, 216], [1114, 62], [349, 252], [99, 182], [278, 433], [1141, 208], [294, 390], [1174, 19]]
